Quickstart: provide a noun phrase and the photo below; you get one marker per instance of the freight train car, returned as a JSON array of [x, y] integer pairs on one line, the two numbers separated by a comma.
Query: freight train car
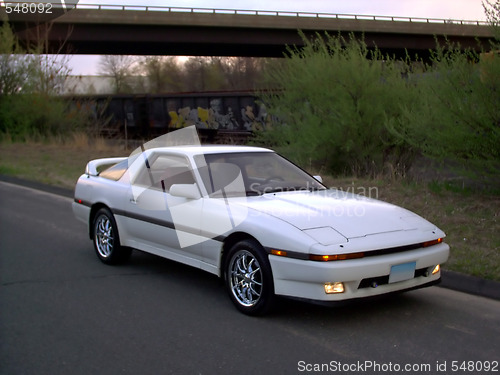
[[221, 117]]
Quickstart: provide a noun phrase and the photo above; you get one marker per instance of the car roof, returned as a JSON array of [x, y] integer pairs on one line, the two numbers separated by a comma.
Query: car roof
[[208, 149]]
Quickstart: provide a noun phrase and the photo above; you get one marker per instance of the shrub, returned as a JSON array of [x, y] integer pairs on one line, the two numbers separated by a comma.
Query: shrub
[[29, 84], [349, 109], [28, 116], [335, 100]]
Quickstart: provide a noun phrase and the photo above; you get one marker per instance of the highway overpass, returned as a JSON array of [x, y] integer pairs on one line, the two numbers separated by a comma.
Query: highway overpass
[[141, 30]]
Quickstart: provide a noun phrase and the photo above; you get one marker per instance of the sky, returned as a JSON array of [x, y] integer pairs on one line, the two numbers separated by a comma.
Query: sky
[[441, 9]]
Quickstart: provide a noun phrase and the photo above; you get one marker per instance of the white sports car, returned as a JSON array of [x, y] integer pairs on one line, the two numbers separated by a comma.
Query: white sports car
[[258, 221]]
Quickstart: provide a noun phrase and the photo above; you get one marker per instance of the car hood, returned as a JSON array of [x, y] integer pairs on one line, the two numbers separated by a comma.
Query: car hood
[[349, 214]]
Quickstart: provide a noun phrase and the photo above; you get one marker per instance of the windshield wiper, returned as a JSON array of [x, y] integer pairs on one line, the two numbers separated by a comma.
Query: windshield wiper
[[284, 189], [317, 188], [290, 188], [252, 193]]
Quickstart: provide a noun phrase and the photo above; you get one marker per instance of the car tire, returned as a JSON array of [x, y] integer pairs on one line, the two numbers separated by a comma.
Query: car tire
[[248, 278], [107, 240]]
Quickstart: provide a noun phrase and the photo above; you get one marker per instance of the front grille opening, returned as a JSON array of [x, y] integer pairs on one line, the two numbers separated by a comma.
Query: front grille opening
[[373, 282]]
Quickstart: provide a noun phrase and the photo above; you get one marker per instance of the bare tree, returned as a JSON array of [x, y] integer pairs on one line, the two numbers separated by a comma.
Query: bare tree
[[120, 68], [492, 11], [243, 73], [205, 73], [33, 69], [164, 74], [13, 66], [49, 67]]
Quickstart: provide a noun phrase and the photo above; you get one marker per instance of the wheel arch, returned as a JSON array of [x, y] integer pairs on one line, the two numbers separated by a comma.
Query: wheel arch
[[229, 242], [93, 211]]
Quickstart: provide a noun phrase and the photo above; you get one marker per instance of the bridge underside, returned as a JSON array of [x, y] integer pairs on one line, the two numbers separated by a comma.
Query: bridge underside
[[139, 33]]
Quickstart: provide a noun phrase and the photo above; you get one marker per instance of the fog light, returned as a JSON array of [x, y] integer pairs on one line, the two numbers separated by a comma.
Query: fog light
[[436, 269], [332, 288]]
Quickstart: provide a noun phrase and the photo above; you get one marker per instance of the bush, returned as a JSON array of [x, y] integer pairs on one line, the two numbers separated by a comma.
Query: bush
[[457, 115], [335, 101], [28, 116], [29, 84], [350, 110]]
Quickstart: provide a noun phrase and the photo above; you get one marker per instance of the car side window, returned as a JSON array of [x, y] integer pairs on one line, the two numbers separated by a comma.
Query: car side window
[[160, 172]]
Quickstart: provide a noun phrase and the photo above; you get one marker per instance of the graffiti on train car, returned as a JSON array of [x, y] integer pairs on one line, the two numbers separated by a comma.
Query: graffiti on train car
[[218, 117], [150, 115]]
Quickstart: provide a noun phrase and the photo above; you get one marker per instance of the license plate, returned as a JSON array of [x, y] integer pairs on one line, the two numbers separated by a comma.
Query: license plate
[[402, 272]]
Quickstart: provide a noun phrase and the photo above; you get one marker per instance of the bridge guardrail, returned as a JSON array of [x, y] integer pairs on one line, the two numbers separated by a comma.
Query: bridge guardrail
[[157, 8]]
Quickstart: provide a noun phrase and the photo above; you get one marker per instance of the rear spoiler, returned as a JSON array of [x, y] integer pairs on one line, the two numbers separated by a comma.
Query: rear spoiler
[[93, 165]]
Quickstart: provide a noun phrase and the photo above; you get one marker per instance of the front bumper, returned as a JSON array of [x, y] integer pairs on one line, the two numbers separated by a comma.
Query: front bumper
[[306, 279]]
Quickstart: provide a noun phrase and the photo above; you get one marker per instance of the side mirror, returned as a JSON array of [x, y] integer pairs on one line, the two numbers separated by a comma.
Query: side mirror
[[189, 191], [318, 178]]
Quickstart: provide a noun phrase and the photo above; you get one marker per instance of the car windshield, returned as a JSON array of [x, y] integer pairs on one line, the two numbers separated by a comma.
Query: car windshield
[[252, 173]]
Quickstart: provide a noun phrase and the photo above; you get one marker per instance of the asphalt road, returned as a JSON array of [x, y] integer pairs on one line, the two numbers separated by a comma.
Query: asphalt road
[[64, 312]]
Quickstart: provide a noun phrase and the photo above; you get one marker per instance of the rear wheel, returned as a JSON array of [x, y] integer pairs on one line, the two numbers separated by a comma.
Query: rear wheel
[[248, 278], [106, 239]]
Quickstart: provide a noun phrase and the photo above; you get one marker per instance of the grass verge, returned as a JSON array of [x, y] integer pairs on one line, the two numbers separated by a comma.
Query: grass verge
[[470, 218], [58, 164]]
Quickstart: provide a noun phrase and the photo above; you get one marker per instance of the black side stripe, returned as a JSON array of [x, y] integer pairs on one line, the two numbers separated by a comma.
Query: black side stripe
[[168, 224], [159, 222]]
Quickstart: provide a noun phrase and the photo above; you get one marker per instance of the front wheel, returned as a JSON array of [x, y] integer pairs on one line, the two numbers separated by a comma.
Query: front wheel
[[249, 278], [106, 239]]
